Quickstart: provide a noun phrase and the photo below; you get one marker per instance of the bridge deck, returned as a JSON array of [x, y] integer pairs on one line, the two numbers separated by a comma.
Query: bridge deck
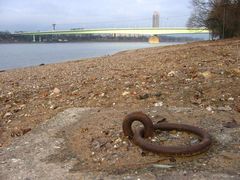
[[142, 31]]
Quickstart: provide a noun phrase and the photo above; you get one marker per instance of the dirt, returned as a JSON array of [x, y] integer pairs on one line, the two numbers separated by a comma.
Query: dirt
[[89, 144], [195, 83], [102, 146]]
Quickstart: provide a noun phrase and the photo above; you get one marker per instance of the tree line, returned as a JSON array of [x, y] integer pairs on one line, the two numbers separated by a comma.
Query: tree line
[[222, 17]]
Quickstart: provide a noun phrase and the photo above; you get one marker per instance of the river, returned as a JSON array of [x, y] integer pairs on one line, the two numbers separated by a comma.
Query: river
[[23, 55]]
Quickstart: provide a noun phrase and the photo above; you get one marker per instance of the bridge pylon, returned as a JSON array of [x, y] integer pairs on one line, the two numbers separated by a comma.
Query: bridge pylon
[[154, 39]]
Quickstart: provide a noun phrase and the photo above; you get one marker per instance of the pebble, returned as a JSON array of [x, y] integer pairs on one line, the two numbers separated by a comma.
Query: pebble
[[231, 124], [25, 130], [8, 114], [102, 95], [163, 139], [158, 104], [163, 166], [8, 106], [118, 140], [154, 139], [172, 73], [206, 74], [53, 107], [184, 173], [8, 121], [56, 91], [124, 142], [10, 93], [158, 94], [144, 96], [125, 93], [209, 108], [15, 160], [194, 141], [128, 84], [226, 108]]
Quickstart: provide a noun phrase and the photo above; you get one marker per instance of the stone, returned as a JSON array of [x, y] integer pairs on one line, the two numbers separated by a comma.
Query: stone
[[8, 114], [56, 91], [184, 173], [53, 107], [125, 93], [26, 130], [163, 166], [194, 141], [206, 74], [226, 108], [180, 109], [231, 124], [102, 94], [209, 108], [128, 84], [144, 96], [158, 94], [158, 104], [172, 73]]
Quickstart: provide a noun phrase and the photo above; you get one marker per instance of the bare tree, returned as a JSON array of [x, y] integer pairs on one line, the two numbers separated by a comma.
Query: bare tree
[[199, 14], [222, 17]]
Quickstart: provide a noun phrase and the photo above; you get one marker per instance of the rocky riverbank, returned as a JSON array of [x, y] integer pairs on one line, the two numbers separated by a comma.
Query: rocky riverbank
[[204, 75], [196, 84]]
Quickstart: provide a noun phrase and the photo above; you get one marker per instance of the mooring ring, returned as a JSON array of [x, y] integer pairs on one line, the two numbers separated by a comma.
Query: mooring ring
[[148, 131], [137, 116], [145, 144]]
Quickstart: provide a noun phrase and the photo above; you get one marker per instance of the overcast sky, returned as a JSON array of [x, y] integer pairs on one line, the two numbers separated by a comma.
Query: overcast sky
[[33, 15]]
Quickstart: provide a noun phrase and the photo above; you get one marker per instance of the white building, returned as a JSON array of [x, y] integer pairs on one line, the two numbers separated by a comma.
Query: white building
[[155, 20]]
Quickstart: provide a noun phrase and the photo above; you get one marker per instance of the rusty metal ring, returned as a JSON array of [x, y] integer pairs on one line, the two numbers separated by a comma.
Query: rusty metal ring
[[137, 116], [156, 148], [147, 131]]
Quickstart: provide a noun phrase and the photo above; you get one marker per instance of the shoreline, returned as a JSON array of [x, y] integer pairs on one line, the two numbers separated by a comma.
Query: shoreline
[[178, 75], [100, 41], [100, 56]]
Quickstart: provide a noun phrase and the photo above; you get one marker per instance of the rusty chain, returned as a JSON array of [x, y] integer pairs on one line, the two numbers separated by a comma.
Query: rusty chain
[[141, 135]]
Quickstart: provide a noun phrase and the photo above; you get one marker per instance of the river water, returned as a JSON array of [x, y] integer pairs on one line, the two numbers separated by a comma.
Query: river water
[[23, 55]]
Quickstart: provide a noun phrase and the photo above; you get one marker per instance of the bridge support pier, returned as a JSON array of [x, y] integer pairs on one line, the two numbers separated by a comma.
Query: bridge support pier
[[40, 39], [34, 38], [154, 39]]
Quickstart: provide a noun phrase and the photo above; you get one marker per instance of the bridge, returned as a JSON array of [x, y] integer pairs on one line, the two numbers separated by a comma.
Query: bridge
[[120, 31]]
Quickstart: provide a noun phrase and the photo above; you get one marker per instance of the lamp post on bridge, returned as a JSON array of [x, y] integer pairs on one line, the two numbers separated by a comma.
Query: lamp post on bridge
[[54, 26]]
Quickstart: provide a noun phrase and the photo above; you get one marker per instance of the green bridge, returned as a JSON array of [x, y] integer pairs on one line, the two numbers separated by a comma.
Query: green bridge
[[120, 31], [143, 31]]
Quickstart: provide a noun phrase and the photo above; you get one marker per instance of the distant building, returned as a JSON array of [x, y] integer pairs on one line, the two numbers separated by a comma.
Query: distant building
[[155, 20]]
